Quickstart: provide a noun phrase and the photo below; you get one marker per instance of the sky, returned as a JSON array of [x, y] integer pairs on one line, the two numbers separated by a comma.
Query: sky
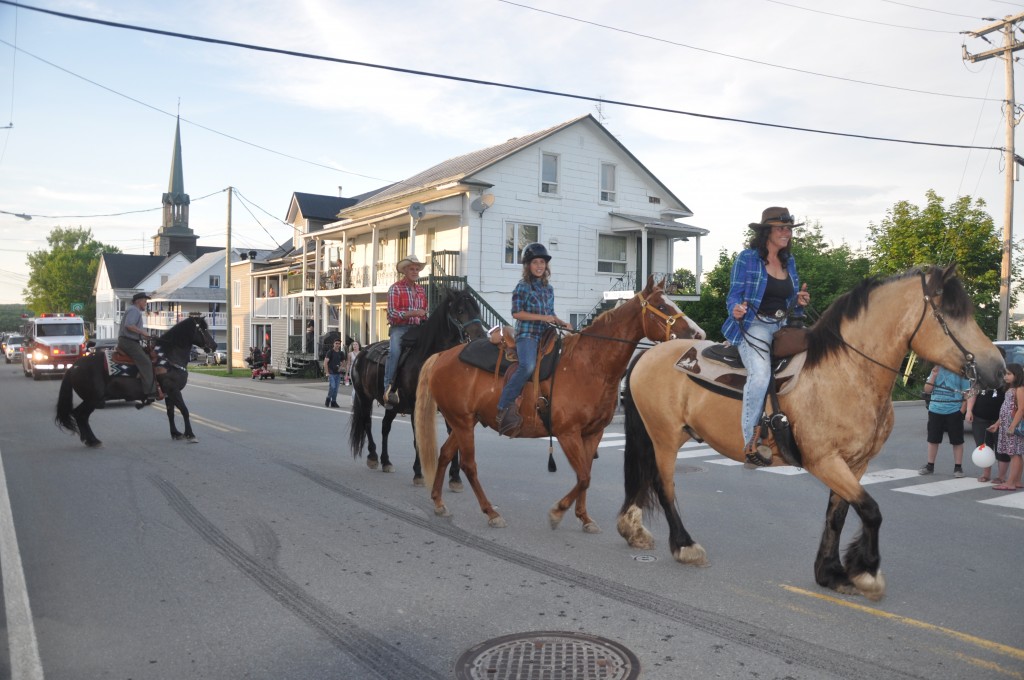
[[88, 111]]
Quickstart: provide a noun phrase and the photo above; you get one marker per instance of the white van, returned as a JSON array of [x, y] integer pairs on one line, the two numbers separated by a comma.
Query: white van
[[53, 342]]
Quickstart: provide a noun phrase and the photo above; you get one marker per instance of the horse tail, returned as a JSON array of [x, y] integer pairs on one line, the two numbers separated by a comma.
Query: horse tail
[[640, 464], [64, 419], [426, 427], [362, 409]]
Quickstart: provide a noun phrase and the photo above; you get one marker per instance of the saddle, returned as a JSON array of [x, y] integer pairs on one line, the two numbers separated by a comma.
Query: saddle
[[120, 365], [498, 357], [719, 368]]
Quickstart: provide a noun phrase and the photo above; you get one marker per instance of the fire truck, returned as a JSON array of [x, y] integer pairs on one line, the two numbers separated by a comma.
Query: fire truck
[[53, 342]]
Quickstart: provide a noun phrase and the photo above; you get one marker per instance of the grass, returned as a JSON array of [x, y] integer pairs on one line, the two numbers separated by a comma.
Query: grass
[[221, 371]]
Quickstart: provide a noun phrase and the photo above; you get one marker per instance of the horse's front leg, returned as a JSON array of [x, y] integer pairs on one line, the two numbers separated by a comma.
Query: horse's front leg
[[174, 400], [81, 415], [580, 452], [861, 573]]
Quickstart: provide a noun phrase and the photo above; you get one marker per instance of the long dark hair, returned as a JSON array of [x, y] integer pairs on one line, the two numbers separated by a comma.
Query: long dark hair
[[759, 242], [1018, 374]]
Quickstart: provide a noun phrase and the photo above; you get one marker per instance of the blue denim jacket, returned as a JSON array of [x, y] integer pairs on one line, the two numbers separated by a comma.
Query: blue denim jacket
[[747, 283]]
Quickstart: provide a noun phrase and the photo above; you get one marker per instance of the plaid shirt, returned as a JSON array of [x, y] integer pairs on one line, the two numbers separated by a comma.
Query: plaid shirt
[[402, 297], [747, 283], [536, 298]]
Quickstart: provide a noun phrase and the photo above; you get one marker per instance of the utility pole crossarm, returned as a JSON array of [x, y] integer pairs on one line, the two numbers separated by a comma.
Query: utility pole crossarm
[[996, 26]]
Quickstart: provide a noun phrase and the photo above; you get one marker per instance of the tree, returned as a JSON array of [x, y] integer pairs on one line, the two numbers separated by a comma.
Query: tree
[[65, 273], [963, 232]]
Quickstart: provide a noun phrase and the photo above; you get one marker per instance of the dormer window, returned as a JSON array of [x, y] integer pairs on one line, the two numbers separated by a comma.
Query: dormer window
[[549, 173]]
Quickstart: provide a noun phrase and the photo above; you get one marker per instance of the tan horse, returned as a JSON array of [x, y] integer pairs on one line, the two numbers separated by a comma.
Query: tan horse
[[840, 409], [586, 386]]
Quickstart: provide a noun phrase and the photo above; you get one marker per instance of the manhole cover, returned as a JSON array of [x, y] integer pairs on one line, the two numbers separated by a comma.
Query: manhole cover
[[645, 558], [548, 655]]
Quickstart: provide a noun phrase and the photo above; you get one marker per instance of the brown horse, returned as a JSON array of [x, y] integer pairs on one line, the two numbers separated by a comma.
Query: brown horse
[[582, 398], [840, 408]]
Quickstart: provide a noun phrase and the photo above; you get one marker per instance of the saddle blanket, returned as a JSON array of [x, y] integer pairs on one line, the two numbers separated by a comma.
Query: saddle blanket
[[483, 354], [729, 380]]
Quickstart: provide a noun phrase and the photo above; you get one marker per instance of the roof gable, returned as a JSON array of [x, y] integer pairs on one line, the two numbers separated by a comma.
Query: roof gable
[[125, 271], [317, 207]]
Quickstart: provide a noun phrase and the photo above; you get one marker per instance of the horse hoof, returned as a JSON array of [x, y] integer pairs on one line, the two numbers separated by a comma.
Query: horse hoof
[[871, 587], [591, 528], [497, 522], [371, 463], [693, 554], [93, 444], [192, 440], [555, 517], [388, 468], [418, 481], [442, 511], [455, 485], [631, 528]]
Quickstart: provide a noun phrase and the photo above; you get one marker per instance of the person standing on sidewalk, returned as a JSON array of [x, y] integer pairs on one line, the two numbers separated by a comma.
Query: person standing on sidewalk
[[333, 361], [946, 412]]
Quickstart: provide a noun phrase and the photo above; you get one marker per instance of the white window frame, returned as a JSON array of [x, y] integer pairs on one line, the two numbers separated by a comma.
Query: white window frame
[[519, 240], [607, 194], [236, 293], [611, 265], [548, 188], [214, 280]]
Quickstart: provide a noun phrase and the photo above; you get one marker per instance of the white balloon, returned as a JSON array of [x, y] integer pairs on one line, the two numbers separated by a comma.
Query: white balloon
[[983, 456]]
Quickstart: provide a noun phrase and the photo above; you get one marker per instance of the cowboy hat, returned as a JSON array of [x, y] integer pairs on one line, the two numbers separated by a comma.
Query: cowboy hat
[[140, 296], [406, 261], [775, 215]]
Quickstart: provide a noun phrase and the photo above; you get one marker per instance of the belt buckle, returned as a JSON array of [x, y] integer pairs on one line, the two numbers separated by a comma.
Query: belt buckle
[[780, 314]]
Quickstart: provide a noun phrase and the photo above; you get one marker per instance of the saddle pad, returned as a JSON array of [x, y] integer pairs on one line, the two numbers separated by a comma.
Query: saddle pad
[[696, 363], [115, 367], [484, 355], [378, 352]]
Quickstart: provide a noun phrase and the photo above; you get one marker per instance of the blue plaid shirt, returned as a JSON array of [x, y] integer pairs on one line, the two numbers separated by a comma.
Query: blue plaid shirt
[[747, 283], [536, 298]]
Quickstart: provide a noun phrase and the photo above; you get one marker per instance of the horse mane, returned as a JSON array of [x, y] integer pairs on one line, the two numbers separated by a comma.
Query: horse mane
[[436, 328], [825, 336], [180, 334]]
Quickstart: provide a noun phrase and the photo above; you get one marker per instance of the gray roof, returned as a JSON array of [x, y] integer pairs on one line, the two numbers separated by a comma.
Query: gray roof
[[323, 208], [125, 271], [461, 167]]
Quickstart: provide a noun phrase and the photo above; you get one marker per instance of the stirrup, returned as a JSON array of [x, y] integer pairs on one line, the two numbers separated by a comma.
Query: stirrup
[[760, 456]]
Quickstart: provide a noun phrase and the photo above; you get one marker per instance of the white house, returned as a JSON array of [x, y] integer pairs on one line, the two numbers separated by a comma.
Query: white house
[[197, 289], [120, 276], [574, 187]]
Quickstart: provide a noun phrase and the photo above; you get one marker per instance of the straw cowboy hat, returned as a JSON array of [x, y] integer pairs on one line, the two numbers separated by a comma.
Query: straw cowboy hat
[[406, 262], [776, 215]]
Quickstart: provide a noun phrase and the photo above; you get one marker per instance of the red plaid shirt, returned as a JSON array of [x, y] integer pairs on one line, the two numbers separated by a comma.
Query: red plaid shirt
[[402, 297]]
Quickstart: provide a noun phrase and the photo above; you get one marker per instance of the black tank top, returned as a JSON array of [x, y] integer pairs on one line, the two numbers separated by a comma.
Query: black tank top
[[775, 295]]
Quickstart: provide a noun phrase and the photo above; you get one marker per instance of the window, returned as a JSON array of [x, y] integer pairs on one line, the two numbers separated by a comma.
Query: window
[[611, 254], [608, 182], [517, 237], [163, 279], [236, 294], [403, 244], [549, 173], [214, 281], [236, 338]]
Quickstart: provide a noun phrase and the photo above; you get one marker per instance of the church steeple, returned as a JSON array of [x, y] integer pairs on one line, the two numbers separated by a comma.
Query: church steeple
[[174, 235]]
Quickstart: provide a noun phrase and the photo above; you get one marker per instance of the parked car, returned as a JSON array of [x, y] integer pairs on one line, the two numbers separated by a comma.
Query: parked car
[[1013, 350], [217, 357], [13, 348], [220, 356]]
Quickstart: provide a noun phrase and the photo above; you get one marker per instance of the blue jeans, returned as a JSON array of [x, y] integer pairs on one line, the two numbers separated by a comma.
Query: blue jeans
[[394, 352], [754, 350], [526, 348], [333, 381]]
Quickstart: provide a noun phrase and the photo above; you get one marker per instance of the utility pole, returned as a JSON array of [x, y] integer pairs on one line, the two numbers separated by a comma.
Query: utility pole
[[1010, 46], [228, 287]]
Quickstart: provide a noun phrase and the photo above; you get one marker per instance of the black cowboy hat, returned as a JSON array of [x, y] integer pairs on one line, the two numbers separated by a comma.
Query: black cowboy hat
[[140, 296], [775, 215]]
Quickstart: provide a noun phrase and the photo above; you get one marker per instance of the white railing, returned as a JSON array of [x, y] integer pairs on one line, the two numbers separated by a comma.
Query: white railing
[[269, 307], [215, 320]]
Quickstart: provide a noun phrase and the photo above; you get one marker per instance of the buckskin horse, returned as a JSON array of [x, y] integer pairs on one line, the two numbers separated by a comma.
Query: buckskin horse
[[457, 317], [582, 395], [840, 409], [90, 378]]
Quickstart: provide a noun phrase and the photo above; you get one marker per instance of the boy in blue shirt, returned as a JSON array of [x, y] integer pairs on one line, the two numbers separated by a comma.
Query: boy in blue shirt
[[946, 412]]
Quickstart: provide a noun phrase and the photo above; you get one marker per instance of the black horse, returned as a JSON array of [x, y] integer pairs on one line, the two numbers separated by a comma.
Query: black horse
[[456, 318], [90, 378]]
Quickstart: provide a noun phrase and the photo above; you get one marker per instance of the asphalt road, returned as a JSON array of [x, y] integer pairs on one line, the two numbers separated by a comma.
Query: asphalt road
[[267, 551]]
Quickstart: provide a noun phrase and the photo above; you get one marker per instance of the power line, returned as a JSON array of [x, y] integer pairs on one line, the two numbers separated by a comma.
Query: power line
[[732, 56], [489, 83], [117, 214], [866, 21], [937, 11]]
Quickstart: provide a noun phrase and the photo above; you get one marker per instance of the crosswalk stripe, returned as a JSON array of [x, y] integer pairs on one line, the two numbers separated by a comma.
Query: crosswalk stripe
[[892, 475], [941, 488], [1007, 500]]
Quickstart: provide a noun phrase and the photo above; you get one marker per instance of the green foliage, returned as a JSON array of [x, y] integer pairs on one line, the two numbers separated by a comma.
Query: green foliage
[[65, 273], [682, 282], [10, 317], [963, 232]]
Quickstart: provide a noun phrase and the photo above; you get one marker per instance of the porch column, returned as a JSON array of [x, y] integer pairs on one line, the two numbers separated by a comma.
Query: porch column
[[644, 264], [375, 250]]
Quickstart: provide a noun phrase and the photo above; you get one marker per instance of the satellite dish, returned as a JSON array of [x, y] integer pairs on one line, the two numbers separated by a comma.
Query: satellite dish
[[482, 203], [417, 211]]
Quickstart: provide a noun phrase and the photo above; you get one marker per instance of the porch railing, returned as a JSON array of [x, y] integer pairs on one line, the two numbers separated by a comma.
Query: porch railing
[[488, 315]]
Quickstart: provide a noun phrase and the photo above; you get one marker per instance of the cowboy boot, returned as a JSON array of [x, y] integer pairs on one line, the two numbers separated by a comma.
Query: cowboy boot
[[757, 454], [509, 420]]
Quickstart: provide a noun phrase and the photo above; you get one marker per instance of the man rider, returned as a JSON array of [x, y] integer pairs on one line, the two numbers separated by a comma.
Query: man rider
[[129, 341]]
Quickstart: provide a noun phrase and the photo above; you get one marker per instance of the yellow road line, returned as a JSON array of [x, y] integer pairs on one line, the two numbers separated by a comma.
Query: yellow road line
[[222, 427], [1013, 652]]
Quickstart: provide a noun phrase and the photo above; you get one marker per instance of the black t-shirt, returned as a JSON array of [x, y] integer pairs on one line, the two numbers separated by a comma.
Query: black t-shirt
[[988, 403], [334, 359]]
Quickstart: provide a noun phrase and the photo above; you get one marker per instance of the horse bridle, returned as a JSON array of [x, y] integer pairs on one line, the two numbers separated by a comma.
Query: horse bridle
[[670, 320]]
